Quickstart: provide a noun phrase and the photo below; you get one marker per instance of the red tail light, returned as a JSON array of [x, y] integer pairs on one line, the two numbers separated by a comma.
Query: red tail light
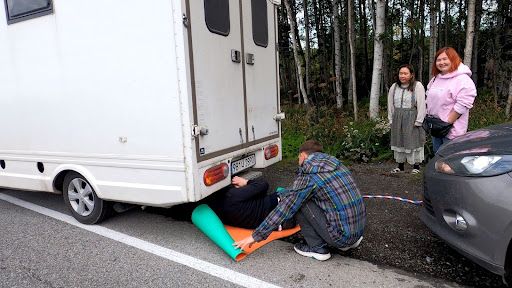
[[216, 174], [271, 151]]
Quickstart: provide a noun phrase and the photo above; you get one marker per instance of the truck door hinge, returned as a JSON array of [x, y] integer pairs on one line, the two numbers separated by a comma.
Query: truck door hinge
[[279, 116], [199, 131], [185, 20]]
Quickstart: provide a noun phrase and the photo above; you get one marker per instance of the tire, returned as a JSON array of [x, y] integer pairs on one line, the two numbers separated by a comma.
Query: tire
[[82, 201]]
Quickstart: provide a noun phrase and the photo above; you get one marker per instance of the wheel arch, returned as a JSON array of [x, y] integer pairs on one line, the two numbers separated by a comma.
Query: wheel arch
[[60, 173]]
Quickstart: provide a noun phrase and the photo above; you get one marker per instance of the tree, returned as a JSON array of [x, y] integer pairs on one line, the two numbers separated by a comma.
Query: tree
[[351, 42], [470, 33], [293, 25], [433, 32], [306, 40], [509, 101], [377, 59], [337, 52]]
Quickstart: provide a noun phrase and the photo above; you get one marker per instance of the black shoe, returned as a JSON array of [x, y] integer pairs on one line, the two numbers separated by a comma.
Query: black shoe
[[303, 249]]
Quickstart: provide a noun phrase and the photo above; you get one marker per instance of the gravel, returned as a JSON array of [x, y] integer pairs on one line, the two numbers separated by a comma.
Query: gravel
[[394, 235]]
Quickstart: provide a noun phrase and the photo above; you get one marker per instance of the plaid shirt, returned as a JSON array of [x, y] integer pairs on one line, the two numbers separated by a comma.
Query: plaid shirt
[[324, 179]]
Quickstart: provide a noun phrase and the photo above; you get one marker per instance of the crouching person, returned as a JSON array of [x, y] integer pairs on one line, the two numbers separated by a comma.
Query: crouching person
[[326, 203]]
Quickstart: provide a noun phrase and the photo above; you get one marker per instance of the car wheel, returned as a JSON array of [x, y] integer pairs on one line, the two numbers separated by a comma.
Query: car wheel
[[82, 201]]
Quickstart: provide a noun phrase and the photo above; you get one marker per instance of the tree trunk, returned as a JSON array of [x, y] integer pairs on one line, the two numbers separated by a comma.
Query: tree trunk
[[401, 33], [412, 28], [337, 53], [388, 48], [509, 101], [307, 50], [319, 37], [421, 57], [291, 20], [363, 24], [351, 42], [446, 22], [459, 22], [433, 33], [470, 33], [474, 62], [377, 59], [346, 50]]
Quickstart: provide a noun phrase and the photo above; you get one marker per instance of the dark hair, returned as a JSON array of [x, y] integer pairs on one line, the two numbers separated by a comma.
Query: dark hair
[[412, 82], [452, 55], [311, 146]]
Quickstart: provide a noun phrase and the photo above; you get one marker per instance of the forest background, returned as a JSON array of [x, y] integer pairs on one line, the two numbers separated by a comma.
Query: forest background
[[338, 59]]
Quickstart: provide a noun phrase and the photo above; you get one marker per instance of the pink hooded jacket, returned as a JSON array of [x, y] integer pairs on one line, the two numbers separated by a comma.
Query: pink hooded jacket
[[452, 91]]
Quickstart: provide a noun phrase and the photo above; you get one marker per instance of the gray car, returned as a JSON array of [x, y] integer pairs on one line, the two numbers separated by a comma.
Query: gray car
[[468, 197]]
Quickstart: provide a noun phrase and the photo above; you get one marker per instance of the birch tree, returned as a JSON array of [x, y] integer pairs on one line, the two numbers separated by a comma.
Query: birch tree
[[292, 21], [377, 59], [509, 101], [306, 52], [433, 32], [351, 42], [470, 33], [337, 52]]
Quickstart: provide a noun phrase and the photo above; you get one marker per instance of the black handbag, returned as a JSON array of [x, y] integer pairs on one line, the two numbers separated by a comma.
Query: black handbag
[[436, 127]]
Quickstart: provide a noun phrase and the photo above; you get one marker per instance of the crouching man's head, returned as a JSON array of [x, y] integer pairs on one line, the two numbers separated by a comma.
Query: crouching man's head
[[307, 148]]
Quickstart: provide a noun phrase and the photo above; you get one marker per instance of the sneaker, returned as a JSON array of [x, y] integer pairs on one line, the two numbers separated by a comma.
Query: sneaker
[[320, 254], [355, 245], [396, 170]]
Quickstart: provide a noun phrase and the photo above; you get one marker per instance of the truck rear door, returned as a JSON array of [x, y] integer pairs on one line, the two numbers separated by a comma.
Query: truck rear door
[[260, 69], [234, 74]]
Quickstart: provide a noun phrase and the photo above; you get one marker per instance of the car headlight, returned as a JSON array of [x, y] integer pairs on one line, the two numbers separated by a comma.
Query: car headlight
[[477, 165]]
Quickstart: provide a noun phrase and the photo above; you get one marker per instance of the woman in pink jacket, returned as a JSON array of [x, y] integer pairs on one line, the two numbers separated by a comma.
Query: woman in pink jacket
[[450, 94]]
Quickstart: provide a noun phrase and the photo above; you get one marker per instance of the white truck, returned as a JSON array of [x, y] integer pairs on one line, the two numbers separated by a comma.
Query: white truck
[[147, 102]]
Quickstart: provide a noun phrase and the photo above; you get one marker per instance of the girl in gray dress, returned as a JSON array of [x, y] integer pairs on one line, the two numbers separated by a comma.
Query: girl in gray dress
[[406, 111]]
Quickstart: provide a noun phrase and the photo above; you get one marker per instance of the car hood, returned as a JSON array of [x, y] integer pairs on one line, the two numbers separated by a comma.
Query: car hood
[[490, 140]]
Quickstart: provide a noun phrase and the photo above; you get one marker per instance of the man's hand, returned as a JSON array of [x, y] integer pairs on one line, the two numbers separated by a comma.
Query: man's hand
[[239, 181], [248, 241]]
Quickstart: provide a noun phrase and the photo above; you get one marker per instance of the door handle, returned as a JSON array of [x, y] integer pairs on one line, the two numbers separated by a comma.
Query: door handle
[[235, 55], [250, 59]]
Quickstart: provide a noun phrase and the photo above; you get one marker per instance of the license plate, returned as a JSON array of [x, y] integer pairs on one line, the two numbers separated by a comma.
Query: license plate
[[242, 164]]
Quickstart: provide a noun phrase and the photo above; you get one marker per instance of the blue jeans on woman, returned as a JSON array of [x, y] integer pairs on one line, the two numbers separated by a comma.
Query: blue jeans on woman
[[437, 142]]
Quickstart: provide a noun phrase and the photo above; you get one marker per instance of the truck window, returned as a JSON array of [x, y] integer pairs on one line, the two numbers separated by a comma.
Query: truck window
[[20, 10], [259, 22], [216, 14]]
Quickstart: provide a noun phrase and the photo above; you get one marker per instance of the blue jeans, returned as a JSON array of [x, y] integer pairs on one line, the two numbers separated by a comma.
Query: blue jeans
[[437, 142]]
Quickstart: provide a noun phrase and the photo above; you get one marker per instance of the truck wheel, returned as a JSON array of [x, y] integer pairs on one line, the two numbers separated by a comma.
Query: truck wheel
[[83, 202]]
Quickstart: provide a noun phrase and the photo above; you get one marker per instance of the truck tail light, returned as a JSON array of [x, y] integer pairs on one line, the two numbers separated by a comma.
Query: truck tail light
[[271, 151], [216, 174]]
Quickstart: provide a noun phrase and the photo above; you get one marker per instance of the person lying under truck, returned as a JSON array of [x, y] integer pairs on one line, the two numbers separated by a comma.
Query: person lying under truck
[[246, 203]]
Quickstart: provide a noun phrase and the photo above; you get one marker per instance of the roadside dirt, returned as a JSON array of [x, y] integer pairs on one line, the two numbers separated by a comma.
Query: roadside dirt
[[394, 235]]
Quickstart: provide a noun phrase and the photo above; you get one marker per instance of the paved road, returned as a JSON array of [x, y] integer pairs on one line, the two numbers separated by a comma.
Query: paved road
[[139, 249]]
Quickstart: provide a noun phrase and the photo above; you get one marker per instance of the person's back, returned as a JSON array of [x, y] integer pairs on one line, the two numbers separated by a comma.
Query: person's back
[[337, 195]]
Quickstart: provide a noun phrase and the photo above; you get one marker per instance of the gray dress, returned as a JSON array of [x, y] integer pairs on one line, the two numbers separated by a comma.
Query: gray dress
[[406, 111]]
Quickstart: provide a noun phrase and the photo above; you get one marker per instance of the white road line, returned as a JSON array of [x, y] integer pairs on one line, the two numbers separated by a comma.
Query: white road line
[[194, 263]]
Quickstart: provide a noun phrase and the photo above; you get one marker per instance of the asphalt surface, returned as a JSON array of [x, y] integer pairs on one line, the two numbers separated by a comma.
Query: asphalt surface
[[40, 251]]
